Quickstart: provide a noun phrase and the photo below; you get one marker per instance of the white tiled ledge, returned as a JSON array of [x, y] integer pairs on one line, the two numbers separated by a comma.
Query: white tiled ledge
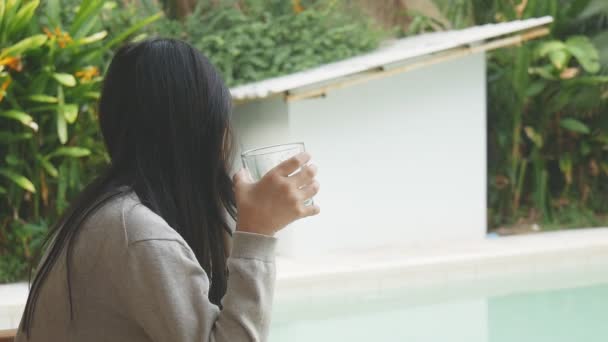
[[12, 301], [418, 266], [538, 255]]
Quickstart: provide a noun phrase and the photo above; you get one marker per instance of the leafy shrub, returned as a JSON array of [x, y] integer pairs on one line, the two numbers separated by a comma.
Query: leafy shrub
[[548, 117], [254, 40], [49, 141], [50, 70], [547, 113], [51, 59]]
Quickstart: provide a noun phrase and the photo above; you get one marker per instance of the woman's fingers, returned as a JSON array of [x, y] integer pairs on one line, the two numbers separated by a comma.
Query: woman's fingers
[[279, 198], [305, 176], [292, 164], [310, 191], [310, 210]]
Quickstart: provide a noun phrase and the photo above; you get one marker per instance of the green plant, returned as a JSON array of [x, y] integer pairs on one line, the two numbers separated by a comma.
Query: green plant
[[49, 142], [547, 112], [458, 12], [422, 24], [258, 39]]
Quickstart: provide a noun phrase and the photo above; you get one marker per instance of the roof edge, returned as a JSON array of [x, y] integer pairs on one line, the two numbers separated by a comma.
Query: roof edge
[[402, 56]]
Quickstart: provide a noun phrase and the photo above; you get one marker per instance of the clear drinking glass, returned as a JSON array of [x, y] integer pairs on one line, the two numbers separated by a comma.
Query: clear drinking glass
[[261, 160]]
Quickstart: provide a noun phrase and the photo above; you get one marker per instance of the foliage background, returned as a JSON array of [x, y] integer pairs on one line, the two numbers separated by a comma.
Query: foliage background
[[548, 117], [547, 101], [50, 146], [251, 40], [51, 57]]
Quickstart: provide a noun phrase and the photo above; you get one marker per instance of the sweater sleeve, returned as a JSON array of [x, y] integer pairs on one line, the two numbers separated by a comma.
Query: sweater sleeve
[[166, 291]]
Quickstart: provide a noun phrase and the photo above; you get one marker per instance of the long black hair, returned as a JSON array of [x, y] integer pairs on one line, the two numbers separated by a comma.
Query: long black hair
[[165, 119]]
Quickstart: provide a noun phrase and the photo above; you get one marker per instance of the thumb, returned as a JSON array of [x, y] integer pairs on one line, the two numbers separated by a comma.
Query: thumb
[[242, 176]]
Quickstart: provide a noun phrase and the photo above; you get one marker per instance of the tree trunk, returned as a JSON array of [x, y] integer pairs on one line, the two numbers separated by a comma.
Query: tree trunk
[[388, 13], [181, 8], [395, 13]]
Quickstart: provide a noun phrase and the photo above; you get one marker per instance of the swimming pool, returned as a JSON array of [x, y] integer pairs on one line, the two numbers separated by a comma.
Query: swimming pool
[[567, 305], [543, 287]]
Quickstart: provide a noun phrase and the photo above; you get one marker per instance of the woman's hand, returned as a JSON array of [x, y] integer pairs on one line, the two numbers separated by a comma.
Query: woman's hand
[[276, 200]]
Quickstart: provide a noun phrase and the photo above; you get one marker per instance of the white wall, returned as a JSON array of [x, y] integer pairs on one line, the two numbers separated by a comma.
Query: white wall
[[402, 159], [261, 123]]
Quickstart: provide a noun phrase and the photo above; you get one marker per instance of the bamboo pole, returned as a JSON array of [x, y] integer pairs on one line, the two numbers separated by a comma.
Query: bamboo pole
[[456, 53]]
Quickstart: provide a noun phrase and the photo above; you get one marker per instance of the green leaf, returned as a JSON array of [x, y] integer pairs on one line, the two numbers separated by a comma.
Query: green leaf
[[35, 228], [18, 179], [559, 59], [60, 96], [2, 10], [545, 72], [26, 44], [42, 98], [521, 78], [536, 138], [535, 88], [62, 186], [601, 138], [576, 7], [62, 127], [589, 81], [87, 27], [12, 160], [22, 117], [53, 12], [87, 11], [544, 49], [48, 166], [585, 53], [565, 165], [136, 27], [43, 108], [70, 151], [9, 137], [585, 148], [600, 41], [92, 38], [139, 37], [2, 189], [593, 8], [95, 95], [574, 126], [23, 16], [110, 5], [67, 80], [69, 112]]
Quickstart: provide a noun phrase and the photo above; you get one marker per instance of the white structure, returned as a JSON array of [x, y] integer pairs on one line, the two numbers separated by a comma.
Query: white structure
[[399, 136]]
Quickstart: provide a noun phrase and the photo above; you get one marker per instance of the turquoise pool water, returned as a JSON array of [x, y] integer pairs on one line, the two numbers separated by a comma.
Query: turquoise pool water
[[571, 314]]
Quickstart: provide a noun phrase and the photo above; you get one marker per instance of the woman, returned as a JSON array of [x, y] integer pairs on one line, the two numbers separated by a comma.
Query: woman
[[140, 255]]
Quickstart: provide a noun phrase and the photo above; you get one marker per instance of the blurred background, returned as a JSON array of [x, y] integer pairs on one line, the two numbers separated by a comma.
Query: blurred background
[[547, 104]]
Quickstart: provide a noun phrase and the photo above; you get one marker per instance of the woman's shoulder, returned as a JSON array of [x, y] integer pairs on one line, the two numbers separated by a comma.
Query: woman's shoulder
[[129, 220]]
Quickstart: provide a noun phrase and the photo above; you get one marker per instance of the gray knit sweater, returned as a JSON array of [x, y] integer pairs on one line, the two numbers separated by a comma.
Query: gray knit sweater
[[135, 279]]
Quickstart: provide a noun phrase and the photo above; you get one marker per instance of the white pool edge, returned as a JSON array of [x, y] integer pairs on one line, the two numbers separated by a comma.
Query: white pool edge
[[390, 267], [440, 263]]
